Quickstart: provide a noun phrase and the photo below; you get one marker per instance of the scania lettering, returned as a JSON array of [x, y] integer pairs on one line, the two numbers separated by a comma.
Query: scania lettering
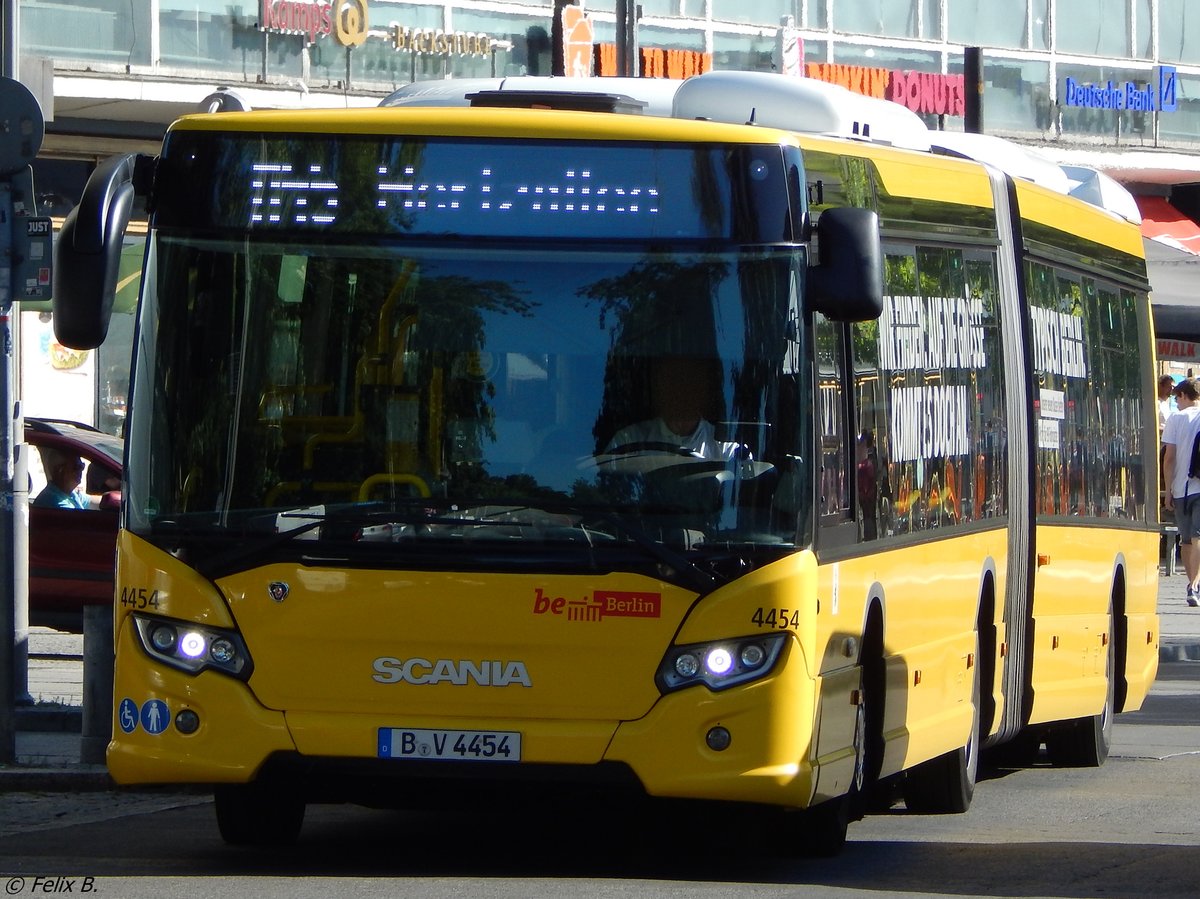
[[390, 670]]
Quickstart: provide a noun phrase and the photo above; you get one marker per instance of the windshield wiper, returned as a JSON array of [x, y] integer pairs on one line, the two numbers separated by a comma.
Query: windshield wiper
[[312, 519], [694, 577], [423, 511]]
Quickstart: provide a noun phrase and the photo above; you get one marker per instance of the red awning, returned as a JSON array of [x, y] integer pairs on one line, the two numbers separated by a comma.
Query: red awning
[[1164, 223]]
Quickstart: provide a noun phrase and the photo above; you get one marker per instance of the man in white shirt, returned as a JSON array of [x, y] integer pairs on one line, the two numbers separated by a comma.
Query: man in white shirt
[[1183, 493], [680, 390]]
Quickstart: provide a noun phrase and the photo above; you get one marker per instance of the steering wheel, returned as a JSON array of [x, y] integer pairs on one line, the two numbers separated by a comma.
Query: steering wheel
[[651, 446]]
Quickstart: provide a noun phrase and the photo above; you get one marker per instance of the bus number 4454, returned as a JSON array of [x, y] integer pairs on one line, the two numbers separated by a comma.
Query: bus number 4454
[[776, 618], [139, 598]]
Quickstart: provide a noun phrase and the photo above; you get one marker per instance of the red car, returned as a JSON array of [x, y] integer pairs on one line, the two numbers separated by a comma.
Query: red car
[[71, 551]]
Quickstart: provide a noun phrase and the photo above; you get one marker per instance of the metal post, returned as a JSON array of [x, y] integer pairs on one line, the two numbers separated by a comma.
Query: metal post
[[633, 12], [9, 11], [973, 85], [21, 132], [623, 12], [97, 684]]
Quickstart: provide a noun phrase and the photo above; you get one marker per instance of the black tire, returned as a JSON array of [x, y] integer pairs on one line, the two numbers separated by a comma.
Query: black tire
[[257, 815], [1021, 751], [823, 829], [946, 785], [820, 831], [1085, 742]]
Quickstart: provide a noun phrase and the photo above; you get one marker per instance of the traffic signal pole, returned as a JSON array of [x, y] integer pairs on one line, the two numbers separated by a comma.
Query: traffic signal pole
[[25, 263], [8, 625]]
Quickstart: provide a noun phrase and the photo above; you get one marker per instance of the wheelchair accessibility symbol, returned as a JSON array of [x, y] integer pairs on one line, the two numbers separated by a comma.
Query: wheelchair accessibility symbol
[[127, 715]]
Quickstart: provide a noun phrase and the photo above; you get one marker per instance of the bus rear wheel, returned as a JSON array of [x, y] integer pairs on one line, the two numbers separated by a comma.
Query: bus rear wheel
[[257, 814]]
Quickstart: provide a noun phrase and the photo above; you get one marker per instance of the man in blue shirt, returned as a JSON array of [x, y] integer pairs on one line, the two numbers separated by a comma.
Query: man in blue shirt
[[64, 474]]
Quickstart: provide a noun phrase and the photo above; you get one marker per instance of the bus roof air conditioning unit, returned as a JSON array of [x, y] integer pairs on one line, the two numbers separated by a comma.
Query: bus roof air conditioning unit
[[580, 101], [798, 104], [651, 96]]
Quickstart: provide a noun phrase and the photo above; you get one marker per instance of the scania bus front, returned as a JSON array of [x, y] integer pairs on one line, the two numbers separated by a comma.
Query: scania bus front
[[471, 445]]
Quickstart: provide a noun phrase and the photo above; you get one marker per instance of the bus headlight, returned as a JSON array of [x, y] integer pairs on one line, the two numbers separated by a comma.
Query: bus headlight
[[193, 647], [720, 664]]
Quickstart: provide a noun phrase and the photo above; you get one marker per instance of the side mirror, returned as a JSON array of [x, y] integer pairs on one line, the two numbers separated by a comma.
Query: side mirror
[[87, 256], [847, 283]]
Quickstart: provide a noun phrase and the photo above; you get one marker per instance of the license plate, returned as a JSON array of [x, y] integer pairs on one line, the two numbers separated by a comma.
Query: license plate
[[449, 745]]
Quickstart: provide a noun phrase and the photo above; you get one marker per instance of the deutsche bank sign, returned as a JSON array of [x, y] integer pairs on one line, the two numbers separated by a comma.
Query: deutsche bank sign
[[1158, 95]]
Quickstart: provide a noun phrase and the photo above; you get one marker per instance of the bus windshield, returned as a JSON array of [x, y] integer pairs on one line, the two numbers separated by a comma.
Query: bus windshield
[[406, 393]]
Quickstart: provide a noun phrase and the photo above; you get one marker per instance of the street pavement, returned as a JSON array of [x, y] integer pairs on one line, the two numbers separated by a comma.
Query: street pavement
[[48, 738]]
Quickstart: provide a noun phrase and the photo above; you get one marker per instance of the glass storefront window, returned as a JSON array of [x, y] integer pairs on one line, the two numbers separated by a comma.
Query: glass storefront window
[[1143, 33], [747, 53], [972, 22], [671, 38], [663, 8], [520, 44], [1094, 27], [893, 18], [887, 58], [1183, 125], [818, 13], [1178, 32], [216, 35], [1016, 95], [757, 12], [114, 31]]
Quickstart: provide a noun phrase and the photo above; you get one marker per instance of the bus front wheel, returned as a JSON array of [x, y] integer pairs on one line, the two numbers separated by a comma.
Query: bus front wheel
[[257, 814]]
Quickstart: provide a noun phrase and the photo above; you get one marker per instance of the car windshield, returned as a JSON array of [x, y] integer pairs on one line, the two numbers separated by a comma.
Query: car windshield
[[444, 392]]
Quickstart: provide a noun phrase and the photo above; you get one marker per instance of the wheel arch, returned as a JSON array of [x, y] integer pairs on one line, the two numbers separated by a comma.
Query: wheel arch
[[1120, 634]]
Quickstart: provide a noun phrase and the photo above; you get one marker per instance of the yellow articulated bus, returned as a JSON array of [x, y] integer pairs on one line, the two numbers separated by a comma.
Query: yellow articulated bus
[[484, 451]]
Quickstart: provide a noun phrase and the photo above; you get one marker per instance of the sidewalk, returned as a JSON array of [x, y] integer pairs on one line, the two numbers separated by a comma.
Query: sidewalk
[[48, 735], [1179, 623]]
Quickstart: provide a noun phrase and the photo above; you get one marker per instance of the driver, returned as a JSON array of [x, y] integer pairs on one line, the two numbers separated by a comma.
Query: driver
[[678, 396]]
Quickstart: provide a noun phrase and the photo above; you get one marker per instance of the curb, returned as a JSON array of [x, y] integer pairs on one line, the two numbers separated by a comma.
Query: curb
[[39, 719], [82, 779], [1180, 652]]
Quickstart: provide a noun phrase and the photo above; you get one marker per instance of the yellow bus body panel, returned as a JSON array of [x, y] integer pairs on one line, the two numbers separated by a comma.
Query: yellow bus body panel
[[1072, 597], [929, 594], [237, 733], [591, 698], [1068, 214], [918, 176]]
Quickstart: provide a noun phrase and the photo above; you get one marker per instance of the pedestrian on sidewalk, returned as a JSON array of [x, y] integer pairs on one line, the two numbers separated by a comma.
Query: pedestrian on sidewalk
[[1183, 497], [1166, 386]]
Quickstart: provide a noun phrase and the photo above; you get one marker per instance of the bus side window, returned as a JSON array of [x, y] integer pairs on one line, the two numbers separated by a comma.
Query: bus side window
[[834, 478]]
